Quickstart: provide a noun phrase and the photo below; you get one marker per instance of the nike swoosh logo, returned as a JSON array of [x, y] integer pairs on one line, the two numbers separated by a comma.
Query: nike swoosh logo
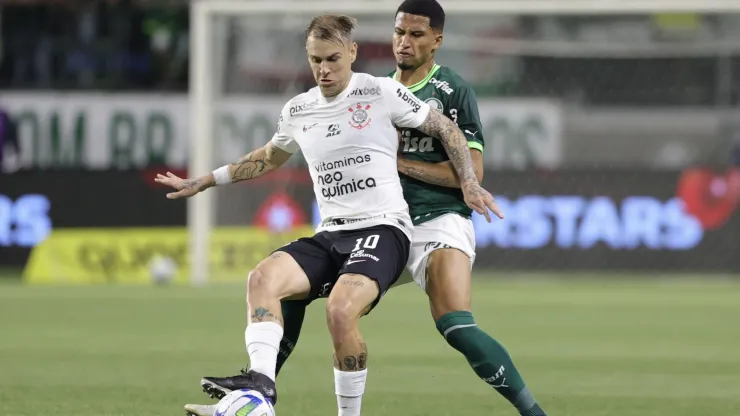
[[353, 261], [307, 128]]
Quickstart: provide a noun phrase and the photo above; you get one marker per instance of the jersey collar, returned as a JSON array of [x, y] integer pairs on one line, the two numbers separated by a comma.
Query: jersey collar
[[350, 86], [421, 84]]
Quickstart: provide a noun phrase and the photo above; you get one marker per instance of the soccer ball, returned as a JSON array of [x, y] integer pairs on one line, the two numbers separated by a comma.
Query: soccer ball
[[244, 402], [162, 269]]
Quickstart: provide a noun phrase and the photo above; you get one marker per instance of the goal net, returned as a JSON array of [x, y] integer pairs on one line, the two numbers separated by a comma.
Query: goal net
[[595, 115]]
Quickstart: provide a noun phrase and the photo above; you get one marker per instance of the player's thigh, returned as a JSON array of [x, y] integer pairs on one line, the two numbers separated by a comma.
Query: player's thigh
[[373, 260], [303, 269], [352, 297], [440, 261], [278, 275]]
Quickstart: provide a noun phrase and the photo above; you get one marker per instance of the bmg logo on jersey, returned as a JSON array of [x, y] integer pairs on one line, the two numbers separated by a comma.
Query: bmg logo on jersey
[[409, 99]]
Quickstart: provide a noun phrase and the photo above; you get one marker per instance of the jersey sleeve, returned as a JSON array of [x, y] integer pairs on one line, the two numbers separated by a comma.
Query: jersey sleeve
[[463, 110], [405, 109], [283, 138]]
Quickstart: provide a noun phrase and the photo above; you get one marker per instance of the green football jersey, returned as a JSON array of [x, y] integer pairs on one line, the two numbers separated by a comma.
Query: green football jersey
[[446, 91]]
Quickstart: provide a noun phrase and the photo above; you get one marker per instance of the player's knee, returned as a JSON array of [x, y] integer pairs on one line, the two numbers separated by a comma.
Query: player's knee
[[258, 284], [443, 302], [342, 316]]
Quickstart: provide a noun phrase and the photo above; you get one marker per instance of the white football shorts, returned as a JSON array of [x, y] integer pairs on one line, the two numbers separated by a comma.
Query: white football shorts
[[447, 231]]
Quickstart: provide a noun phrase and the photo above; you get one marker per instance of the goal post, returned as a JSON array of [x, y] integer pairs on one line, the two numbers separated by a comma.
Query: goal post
[[215, 25]]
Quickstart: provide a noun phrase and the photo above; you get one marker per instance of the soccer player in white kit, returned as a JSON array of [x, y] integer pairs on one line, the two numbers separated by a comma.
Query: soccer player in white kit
[[346, 128]]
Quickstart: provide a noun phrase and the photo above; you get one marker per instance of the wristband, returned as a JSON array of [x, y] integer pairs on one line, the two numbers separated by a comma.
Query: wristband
[[222, 176]]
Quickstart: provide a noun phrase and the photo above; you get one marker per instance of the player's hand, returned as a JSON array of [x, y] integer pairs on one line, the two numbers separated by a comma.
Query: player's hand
[[480, 200], [185, 187]]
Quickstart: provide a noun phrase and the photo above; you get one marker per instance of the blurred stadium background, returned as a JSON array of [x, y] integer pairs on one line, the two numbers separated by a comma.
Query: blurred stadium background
[[613, 145]]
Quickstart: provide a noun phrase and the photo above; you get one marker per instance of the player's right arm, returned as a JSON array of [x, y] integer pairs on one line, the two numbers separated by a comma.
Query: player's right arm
[[257, 163], [253, 165]]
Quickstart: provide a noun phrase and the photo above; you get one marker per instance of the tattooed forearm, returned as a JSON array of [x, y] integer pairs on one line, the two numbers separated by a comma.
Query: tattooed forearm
[[199, 184], [264, 315], [258, 163], [454, 142], [248, 167]]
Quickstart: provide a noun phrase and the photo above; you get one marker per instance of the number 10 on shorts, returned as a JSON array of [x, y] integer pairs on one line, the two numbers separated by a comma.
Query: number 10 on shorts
[[370, 242]]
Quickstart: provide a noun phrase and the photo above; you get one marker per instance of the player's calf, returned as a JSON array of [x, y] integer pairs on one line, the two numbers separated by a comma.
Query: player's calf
[[350, 299], [448, 288], [275, 278], [294, 311]]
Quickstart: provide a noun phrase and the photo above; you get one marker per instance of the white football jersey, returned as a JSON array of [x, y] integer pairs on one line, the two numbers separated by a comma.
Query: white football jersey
[[350, 144]]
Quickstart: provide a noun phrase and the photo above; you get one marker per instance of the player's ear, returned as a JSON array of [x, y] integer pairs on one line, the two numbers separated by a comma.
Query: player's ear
[[353, 52], [438, 38]]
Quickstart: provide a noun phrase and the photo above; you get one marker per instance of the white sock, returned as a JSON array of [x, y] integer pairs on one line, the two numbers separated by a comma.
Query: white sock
[[349, 387], [263, 342]]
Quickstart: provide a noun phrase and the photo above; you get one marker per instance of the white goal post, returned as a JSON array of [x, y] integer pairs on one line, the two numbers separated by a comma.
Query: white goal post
[[200, 210]]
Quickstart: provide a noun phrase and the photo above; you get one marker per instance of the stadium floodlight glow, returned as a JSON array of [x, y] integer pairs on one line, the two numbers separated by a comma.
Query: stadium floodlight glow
[[202, 71]]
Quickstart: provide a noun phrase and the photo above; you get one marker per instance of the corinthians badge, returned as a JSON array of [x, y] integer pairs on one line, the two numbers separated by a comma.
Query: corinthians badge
[[360, 119]]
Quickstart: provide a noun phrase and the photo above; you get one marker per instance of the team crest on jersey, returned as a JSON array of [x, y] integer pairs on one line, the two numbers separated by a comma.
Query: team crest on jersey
[[435, 104], [360, 118]]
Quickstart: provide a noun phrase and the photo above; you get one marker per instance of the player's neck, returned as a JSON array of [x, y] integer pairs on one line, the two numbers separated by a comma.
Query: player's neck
[[340, 90], [412, 76]]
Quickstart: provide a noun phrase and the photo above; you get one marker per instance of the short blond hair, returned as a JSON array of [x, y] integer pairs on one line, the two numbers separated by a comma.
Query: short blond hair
[[332, 28]]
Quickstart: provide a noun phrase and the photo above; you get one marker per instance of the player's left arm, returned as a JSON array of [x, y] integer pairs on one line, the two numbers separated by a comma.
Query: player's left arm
[[463, 109], [440, 173], [406, 110]]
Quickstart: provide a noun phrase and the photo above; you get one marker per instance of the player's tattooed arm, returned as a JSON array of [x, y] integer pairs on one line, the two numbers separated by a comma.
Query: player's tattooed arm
[[455, 144], [441, 173], [258, 162], [251, 166]]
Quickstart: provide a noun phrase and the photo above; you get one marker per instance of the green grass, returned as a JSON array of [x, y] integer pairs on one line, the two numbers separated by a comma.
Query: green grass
[[598, 348], [9, 272]]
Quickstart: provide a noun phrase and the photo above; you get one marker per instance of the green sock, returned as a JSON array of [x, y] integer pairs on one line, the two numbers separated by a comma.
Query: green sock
[[293, 313], [489, 359]]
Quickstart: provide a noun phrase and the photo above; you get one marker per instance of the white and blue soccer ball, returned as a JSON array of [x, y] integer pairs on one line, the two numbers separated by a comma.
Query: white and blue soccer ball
[[244, 402], [162, 269]]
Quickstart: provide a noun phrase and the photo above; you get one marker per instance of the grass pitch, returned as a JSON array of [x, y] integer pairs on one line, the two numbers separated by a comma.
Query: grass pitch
[[586, 348]]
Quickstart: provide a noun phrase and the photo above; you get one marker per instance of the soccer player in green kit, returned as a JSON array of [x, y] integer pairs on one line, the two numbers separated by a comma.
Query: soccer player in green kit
[[443, 248]]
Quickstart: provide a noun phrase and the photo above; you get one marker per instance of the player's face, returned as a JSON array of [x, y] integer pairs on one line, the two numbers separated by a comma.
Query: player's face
[[331, 64], [414, 42]]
